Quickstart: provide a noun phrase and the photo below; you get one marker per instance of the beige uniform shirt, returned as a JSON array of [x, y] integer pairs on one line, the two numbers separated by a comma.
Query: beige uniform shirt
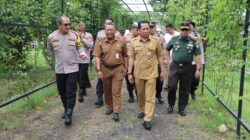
[[145, 54], [63, 49]]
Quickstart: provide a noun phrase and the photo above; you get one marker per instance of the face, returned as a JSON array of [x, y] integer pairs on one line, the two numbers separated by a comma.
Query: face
[[144, 31], [80, 28], [135, 32], [184, 32], [169, 30], [110, 31], [64, 27]]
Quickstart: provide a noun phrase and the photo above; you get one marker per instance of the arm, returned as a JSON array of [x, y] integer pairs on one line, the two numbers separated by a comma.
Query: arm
[[88, 41], [160, 62], [198, 66], [98, 68], [130, 67], [50, 49]]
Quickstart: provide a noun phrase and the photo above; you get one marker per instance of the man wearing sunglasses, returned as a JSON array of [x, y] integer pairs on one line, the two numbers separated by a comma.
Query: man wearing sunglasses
[[64, 46], [184, 49]]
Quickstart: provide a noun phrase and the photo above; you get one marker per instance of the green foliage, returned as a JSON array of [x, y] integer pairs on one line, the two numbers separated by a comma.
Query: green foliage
[[15, 41]]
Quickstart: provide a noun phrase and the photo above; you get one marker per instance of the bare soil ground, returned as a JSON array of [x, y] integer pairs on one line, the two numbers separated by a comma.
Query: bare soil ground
[[90, 123]]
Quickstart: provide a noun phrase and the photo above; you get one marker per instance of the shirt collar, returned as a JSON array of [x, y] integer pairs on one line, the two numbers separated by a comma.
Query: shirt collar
[[149, 38], [107, 41]]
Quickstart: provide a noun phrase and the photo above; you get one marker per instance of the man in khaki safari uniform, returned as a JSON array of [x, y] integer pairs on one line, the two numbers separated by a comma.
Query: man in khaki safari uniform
[[145, 53], [112, 52]]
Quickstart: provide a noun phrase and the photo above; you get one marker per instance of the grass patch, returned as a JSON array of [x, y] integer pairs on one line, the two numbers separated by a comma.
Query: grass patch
[[13, 114]]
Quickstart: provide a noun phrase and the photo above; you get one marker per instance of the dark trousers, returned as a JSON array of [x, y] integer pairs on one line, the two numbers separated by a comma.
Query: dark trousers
[[195, 82], [83, 79], [67, 86], [159, 84], [130, 87], [183, 75], [99, 89]]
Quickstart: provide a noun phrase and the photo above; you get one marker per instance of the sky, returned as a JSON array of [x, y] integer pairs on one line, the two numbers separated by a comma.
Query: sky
[[138, 5]]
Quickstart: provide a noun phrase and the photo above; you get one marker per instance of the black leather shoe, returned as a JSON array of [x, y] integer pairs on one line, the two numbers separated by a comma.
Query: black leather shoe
[[63, 115], [116, 117], [182, 113], [131, 99], [147, 125], [80, 99], [84, 93], [99, 103], [170, 109], [160, 100], [193, 96], [109, 111], [68, 116], [141, 115]]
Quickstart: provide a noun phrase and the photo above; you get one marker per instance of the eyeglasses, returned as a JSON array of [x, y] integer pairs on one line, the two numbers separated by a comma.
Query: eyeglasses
[[185, 29], [67, 24]]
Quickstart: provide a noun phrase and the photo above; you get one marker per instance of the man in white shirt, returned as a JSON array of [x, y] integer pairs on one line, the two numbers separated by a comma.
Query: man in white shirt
[[170, 33]]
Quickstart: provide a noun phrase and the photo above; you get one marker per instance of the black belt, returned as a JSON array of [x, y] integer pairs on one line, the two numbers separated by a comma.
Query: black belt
[[182, 64], [111, 66]]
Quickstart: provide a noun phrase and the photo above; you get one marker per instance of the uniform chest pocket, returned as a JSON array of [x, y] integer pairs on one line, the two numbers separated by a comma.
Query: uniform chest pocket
[[138, 49], [190, 48], [71, 44], [176, 48], [55, 45]]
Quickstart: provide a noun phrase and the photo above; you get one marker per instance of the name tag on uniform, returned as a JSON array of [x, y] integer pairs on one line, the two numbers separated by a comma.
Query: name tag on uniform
[[117, 56], [149, 54]]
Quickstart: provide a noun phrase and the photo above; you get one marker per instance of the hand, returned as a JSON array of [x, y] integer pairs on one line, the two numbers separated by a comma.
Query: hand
[[162, 76], [124, 72], [100, 74], [130, 78], [197, 74], [83, 57], [165, 63], [174, 36]]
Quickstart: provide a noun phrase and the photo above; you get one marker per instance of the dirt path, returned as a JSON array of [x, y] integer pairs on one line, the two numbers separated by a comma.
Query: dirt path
[[90, 123]]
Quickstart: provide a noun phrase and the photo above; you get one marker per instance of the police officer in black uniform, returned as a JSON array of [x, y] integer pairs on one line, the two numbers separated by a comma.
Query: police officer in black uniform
[[180, 69]]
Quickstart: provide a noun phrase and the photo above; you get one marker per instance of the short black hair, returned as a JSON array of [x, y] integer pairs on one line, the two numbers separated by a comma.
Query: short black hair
[[108, 18], [141, 22], [170, 25]]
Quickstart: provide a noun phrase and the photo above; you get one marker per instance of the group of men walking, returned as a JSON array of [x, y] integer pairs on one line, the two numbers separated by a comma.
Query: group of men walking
[[142, 57]]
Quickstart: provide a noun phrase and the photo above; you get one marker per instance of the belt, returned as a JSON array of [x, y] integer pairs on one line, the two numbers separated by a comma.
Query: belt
[[111, 66], [182, 64]]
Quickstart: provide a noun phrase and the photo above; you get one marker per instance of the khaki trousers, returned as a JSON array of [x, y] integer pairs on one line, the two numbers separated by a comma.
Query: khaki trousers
[[146, 96], [112, 83]]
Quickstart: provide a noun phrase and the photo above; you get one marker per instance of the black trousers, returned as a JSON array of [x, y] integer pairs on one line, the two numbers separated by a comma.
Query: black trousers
[[130, 87], [67, 86], [159, 84], [83, 79], [183, 75], [195, 82], [99, 89]]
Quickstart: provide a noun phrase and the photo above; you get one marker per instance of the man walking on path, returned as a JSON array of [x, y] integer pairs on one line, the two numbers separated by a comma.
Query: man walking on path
[[64, 46], [180, 69], [112, 52], [145, 53]]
